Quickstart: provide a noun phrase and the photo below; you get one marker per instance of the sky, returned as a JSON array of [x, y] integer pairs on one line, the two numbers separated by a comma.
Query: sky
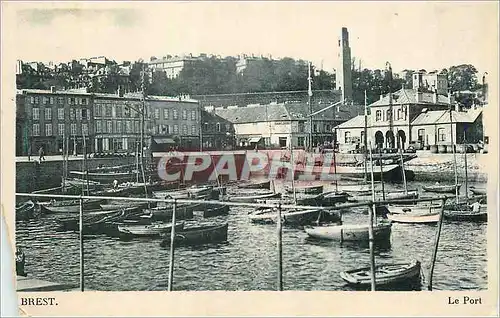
[[411, 35]]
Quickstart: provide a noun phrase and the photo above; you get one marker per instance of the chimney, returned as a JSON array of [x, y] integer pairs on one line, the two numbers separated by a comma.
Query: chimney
[[418, 96], [52, 89], [435, 96]]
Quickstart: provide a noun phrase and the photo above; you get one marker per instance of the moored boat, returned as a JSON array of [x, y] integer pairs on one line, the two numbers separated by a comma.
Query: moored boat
[[215, 210], [478, 191], [115, 204], [295, 217], [467, 213], [441, 188], [183, 211], [311, 189], [69, 206], [414, 217], [148, 230], [350, 232], [25, 211], [387, 274], [266, 184], [254, 198], [204, 234]]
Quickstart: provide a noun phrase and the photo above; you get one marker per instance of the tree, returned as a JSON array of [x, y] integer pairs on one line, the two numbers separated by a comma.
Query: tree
[[462, 78]]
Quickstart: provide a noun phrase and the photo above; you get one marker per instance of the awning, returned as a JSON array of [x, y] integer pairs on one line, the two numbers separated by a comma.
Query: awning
[[255, 139], [164, 140]]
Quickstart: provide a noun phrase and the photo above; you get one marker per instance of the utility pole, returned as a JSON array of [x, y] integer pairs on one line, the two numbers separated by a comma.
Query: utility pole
[[309, 93], [143, 111], [391, 112]]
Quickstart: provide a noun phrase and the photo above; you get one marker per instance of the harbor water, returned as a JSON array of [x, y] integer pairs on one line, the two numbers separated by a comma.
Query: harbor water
[[249, 258]]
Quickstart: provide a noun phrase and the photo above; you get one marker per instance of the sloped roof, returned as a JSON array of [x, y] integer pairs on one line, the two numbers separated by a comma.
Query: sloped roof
[[356, 122], [286, 111], [443, 117], [408, 96]]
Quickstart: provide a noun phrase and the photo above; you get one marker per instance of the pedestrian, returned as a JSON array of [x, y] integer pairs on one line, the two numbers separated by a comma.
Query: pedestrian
[[41, 154], [115, 184]]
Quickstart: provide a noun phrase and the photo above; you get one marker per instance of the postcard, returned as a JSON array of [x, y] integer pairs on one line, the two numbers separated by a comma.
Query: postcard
[[249, 158]]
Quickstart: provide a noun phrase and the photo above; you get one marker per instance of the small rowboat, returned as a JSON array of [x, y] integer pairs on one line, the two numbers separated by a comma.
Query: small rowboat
[[70, 206], [467, 214], [294, 217], [412, 217], [305, 189], [183, 211], [402, 195], [384, 274], [254, 198], [350, 232], [478, 191], [256, 185], [25, 211], [148, 230], [215, 210], [333, 197], [198, 235], [442, 188]]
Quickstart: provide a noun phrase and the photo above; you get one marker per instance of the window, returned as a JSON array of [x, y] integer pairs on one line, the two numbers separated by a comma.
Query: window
[[228, 127], [71, 101], [184, 130], [441, 134], [300, 141], [205, 127], [194, 131], [378, 115], [60, 129], [347, 136], [60, 113], [119, 127], [126, 112], [72, 114], [36, 100], [421, 134], [78, 114], [137, 128], [362, 136], [73, 129], [109, 110], [165, 129], [157, 113], [165, 114], [32, 99], [60, 100], [388, 115], [282, 141], [110, 126], [175, 115], [193, 115], [48, 114], [184, 114], [98, 126], [36, 113], [217, 127], [103, 126], [36, 129], [129, 126], [51, 100], [399, 115], [176, 129], [45, 100], [97, 110], [85, 114], [327, 128], [84, 101], [301, 126], [118, 111], [315, 128], [85, 129]]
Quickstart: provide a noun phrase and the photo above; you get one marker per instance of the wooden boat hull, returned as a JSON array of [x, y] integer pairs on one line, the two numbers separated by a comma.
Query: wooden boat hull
[[216, 210], [183, 212], [25, 211], [441, 189], [384, 274], [478, 191], [350, 232], [414, 218], [295, 217], [115, 205], [107, 178], [254, 198], [401, 195], [95, 223], [256, 185], [70, 206], [305, 190], [467, 214], [198, 235], [147, 230]]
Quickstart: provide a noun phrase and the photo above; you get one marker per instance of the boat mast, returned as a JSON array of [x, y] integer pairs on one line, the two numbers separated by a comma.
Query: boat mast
[[143, 113], [365, 138], [381, 173], [64, 164], [403, 170], [292, 162], [465, 164], [309, 93], [453, 150]]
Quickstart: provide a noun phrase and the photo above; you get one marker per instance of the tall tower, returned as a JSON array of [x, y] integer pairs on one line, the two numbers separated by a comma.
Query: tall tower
[[343, 74]]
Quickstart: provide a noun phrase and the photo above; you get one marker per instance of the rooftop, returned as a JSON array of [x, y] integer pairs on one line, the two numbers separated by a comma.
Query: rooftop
[[443, 117], [409, 96]]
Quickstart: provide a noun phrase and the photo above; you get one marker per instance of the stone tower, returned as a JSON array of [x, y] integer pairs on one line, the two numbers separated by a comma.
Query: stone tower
[[344, 73]]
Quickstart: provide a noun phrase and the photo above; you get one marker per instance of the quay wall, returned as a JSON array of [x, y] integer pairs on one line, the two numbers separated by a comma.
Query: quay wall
[[427, 167]]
